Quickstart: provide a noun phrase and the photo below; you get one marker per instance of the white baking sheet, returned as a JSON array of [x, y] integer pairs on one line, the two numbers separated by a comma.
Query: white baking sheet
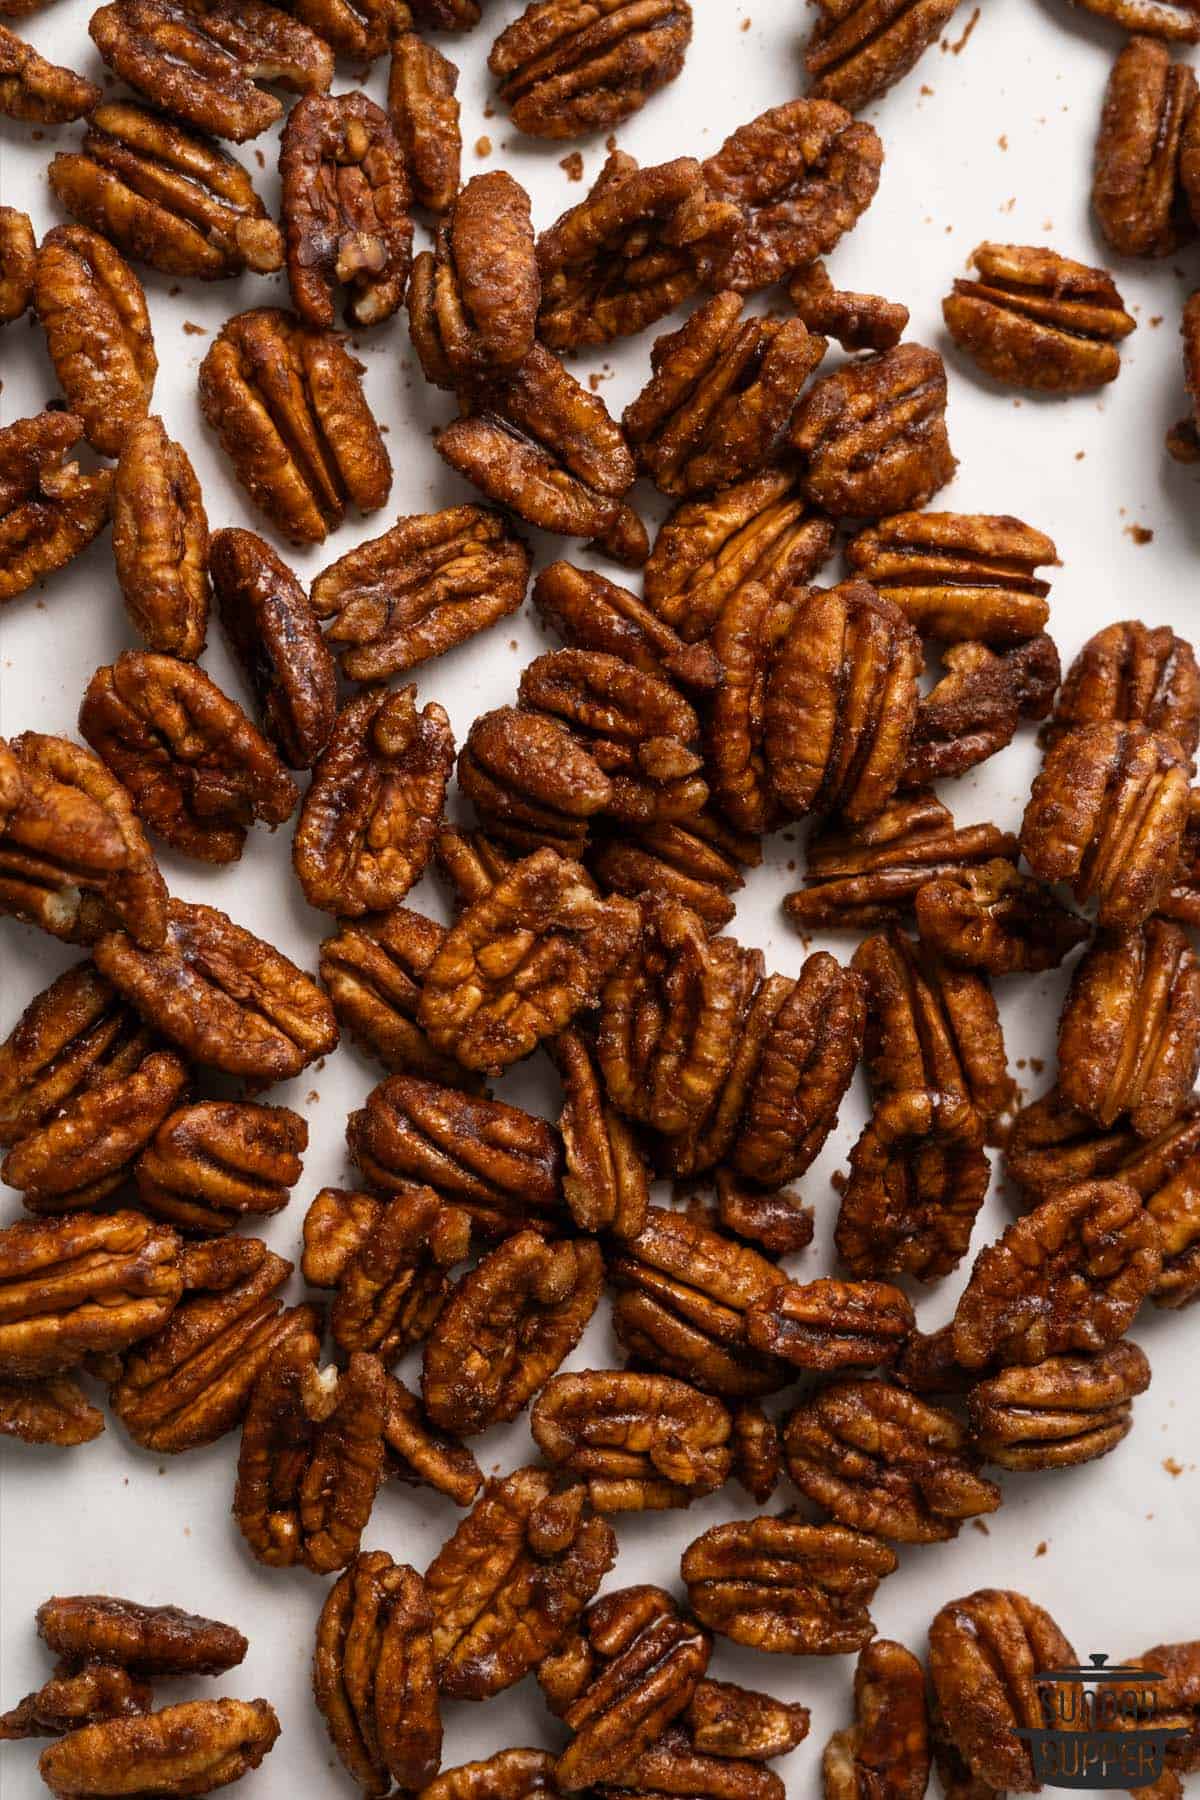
[[992, 142]]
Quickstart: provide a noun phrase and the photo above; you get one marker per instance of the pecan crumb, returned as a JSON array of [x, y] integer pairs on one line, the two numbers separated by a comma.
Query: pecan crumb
[[483, 146], [194, 330], [572, 166], [1172, 1466], [1141, 534], [960, 44]]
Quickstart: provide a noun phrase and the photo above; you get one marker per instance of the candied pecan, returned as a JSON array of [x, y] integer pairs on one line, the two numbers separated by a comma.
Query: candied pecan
[[82, 1285], [230, 1000], [1107, 813], [509, 1775], [363, 29], [639, 1441], [684, 1295], [726, 1720], [959, 576], [473, 301], [1182, 899], [1157, 19], [1063, 1411], [500, 1164], [885, 1753], [1132, 674], [512, 1580], [470, 862], [1053, 1145], [274, 635], [1167, 1172], [345, 199], [565, 69], [673, 1761], [757, 1453], [18, 254], [424, 117], [50, 509], [39, 91], [72, 1036], [78, 1694], [592, 613], [857, 321], [985, 1655], [720, 397], [198, 771], [92, 309], [1173, 1702], [160, 541], [976, 707], [191, 1748], [873, 434], [993, 918], [609, 1627], [374, 1679], [696, 861], [212, 1164], [776, 1221], [927, 1364], [387, 1260], [778, 1585], [605, 1184], [649, 1676], [166, 196], [1135, 196], [55, 1411], [1035, 319], [205, 63], [861, 48], [372, 971], [828, 1325], [1183, 439], [289, 409], [416, 1453], [802, 174], [541, 444]]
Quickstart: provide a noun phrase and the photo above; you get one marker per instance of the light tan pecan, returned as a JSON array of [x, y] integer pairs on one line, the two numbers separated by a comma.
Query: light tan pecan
[[419, 1455], [473, 300], [590, 612], [959, 576], [54, 1410], [424, 116], [211, 1165], [160, 541], [639, 1441], [873, 434], [1135, 181], [189, 1748], [50, 509], [829, 1325], [92, 309], [605, 1182], [372, 971], [857, 321], [1060, 1412], [993, 918], [775, 1584], [564, 69], [885, 1753], [697, 861], [1131, 673], [18, 255], [39, 91], [1034, 319]]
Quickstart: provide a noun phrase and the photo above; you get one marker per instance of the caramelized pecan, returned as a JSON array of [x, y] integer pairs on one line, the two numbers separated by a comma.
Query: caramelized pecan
[[211, 1165], [959, 576], [757, 1452], [565, 69], [54, 1410], [18, 255], [92, 309], [993, 918], [363, 29], [531, 781], [861, 48], [509, 1775], [726, 1720], [418, 1454], [976, 707], [1135, 193], [1035, 319], [77, 1695], [1132, 674], [160, 541], [590, 612], [1158, 18], [1063, 1411], [473, 300], [605, 1183], [857, 321], [1183, 441], [639, 1441], [50, 509], [39, 91], [775, 1584], [74, 1035], [696, 861], [828, 1325], [873, 434], [372, 971], [471, 863], [776, 1221], [190, 1748], [424, 117], [885, 1753]]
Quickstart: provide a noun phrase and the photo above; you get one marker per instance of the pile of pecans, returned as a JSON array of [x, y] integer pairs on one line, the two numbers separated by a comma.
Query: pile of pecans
[[613, 807]]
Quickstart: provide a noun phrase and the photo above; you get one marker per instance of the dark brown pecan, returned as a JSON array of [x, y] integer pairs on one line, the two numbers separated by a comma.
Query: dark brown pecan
[[1034, 319], [959, 577], [473, 300], [345, 197], [918, 1177], [778, 1585], [509, 1775], [500, 1164], [367, 824], [1107, 814], [1063, 1411], [18, 255], [190, 1748], [55, 1411], [1167, 1172], [160, 541], [639, 1441], [374, 1679], [547, 448], [39, 91], [605, 1183], [198, 771], [227, 998], [512, 1580], [565, 69], [726, 1720], [363, 29], [82, 1286], [419, 1455], [757, 1451], [873, 434], [927, 1364], [720, 397], [1053, 1145], [73, 1036], [274, 635], [205, 63], [1135, 195], [608, 1628], [166, 196], [592, 613], [92, 309], [288, 406], [213, 1164], [673, 1761], [976, 707], [828, 1325], [424, 116], [885, 1753], [993, 918], [802, 175], [1132, 674], [50, 509], [985, 1655], [776, 1221], [860, 48], [77, 1695], [636, 248], [506, 1328], [857, 321], [696, 861], [372, 971]]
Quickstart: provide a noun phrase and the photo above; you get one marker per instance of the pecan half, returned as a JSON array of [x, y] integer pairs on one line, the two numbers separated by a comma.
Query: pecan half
[[473, 300], [976, 707], [471, 863], [166, 196], [160, 541], [50, 509], [509, 1775], [959, 576], [1183, 438], [873, 434], [857, 321], [54, 1410], [885, 1753], [1035, 319], [388, 1262], [993, 918], [757, 1453], [778, 1585], [1151, 16], [1132, 674], [92, 309], [1053, 1145], [605, 1183], [1135, 194], [424, 116], [861, 48], [1182, 899], [288, 406], [592, 613], [564, 69], [186, 1749], [363, 29], [198, 771], [39, 91], [18, 255], [1173, 1702], [77, 1695], [827, 1325], [697, 861], [71, 1037], [639, 1441], [372, 971], [1063, 1411], [211, 1165], [419, 1455]]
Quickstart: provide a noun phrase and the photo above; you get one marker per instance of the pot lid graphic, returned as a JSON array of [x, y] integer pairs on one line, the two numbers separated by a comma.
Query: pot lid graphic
[[1100, 1669]]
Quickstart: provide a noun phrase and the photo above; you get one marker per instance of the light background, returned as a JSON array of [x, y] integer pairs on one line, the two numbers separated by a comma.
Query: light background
[[992, 142]]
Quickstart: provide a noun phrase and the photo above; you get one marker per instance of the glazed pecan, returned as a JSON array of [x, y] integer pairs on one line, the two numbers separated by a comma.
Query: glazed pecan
[[345, 198], [959, 576], [50, 509], [1135, 194], [976, 707], [857, 321], [757, 1451], [39, 91], [18, 255], [289, 409], [721, 396], [363, 29], [827, 1325], [777, 1585], [424, 117], [1154, 17], [802, 174], [509, 1775], [605, 1183], [205, 63], [473, 301], [726, 1720], [374, 1679], [388, 1262], [873, 434], [589, 612], [860, 48], [227, 998], [198, 771], [160, 541], [531, 781], [1107, 814], [1035, 319], [77, 1695], [885, 1753], [638, 246], [146, 1640], [544, 446], [697, 861], [1182, 900], [506, 1328], [608, 1628], [639, 1441], [471, 863], [213, 1164], [275, 638], [1183, 438], [776, 1221], [418, 1454], [191, 1748], [92, 309], [993, 918], [372, 971], [1132, 674], [1063, 1411], [54, 1410], [166, 196], [708, 550], [512, 1580], [985, 1654], [1172, 1702], [565, 69]]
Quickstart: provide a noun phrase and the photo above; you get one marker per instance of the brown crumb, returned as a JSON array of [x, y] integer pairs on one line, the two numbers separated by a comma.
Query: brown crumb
[[1156, 318], [927, 90], [838, 1181], [610, 143], [1079, 455], [483, 146], [745, 24], [37, 136], [512, 643], [173, 290], [260, 159], [1141, 534], [572, 166], [1037, 1064], [1172, 1466], [981, 1526], [1002, 140], [194, 330], [1041, 1549], [957, 49], [311, 1098]]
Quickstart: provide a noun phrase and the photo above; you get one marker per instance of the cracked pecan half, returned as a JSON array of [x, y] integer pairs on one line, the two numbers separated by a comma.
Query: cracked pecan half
[[861, 48], [213, 1164], [509, 1775], [778, 1585], [639, 1441], [18, 255], [1132, 674], [1034, 319], [959, 577], [1135, 181], [92, 309], [54, 1410], [605, 1182], [372, 971], [166, 196], [198, 771], [160, 541], [995, 919], [564, 69], [1060, 1412], [590, 612], [885, 1753], [424, 115], [872, 435], [974, 710], [288, 406], [190, 1748], [827, 1325], [50, 509], [40, 92], [857, 321], [473, 299]]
